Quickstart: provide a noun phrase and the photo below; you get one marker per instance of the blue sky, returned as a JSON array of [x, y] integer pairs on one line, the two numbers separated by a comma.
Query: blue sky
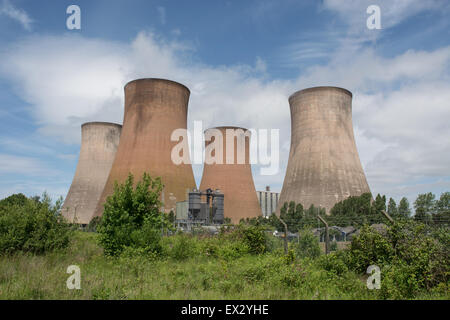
[[241, 60]]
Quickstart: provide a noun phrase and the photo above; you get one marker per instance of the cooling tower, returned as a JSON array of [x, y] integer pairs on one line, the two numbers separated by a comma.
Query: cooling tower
[[154, 108], [324, 166], [99, 141], [234, 180]]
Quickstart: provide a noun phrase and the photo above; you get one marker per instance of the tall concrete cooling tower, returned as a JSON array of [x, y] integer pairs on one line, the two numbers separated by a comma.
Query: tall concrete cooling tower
[[324, 166], [99, 141], [235, 180], [154, 108]]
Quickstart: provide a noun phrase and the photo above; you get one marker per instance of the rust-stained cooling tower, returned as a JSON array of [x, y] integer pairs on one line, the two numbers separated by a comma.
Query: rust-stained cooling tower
[[154, 108], [99, 141], [324, 166], [234, 180]]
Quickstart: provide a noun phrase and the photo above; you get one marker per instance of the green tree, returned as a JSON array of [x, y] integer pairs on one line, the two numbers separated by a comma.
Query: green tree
[[355, 210], [424, 207], [292, 215], [308, 244], [133, 217], [30, 225], [380, 203], [171, 216], [18, 199], [441, 214], [404, 210], [392, 209]]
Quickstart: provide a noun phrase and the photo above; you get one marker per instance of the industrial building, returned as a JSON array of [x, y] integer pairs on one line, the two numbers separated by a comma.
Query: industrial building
[[99, 141], [268, 201], [196, 212], [154, 108], [233, 179], [324, 166]]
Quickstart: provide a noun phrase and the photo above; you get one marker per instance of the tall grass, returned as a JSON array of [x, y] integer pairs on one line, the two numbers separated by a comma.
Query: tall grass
[[191, 267]]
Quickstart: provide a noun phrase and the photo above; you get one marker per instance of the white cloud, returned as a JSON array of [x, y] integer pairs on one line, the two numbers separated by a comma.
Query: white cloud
[[401, 104], [365, 70], [11, 164], [6, 8], [401, 109]]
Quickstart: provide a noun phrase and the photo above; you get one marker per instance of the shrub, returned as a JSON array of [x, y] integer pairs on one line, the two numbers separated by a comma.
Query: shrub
[[18, 199], [369, 248], [334, 263], [31, 225], [399, 281], [132, 217], [425, 252], [232, 250], [255, 238], [93, 224], [308, 244], [182, 247], [412, 257]]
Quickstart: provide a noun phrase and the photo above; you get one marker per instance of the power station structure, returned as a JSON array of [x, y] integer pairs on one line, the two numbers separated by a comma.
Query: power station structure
[[324, 167], [210, 211], [99, 142], [154, 109], [227, 168], [268, 201]]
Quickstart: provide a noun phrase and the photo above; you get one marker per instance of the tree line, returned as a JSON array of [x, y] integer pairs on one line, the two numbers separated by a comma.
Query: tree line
[[360, 210]]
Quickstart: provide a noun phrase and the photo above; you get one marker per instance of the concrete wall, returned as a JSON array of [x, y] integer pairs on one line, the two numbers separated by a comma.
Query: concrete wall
[[99, 141], [324, 166], [154, 108], [234, 180]]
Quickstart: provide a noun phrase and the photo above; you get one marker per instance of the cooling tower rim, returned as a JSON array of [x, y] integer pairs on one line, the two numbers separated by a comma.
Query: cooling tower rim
[[101, 123], [226, 127], [319, 89], [157, 79]]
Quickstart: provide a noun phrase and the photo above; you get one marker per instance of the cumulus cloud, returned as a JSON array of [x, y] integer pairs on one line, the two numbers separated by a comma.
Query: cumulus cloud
[[7, 9], [400, 111], [401, 104], [10, 164], [70, 80]]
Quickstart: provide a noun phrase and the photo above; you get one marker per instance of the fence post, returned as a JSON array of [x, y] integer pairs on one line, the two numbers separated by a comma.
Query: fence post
[[285, 235], [327, 237]]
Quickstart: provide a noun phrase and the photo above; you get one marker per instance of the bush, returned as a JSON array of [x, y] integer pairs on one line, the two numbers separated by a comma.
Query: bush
[[369, 248], [255, 239], [232, 250], [335, 262], [425, 252], [31, 225], [132, 217], [399, 281], [308, 244], [93, 224], [182, 248], [411, 256], [18, 199]]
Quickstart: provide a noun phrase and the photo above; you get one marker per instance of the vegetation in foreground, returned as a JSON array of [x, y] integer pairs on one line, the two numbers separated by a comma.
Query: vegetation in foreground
[[129, 258], [192, 267]]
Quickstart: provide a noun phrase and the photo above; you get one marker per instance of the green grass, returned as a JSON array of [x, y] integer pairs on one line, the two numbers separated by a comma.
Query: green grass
[[209, 272]]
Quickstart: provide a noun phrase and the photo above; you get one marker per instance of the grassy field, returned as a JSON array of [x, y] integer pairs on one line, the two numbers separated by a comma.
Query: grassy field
[[204, 275]]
